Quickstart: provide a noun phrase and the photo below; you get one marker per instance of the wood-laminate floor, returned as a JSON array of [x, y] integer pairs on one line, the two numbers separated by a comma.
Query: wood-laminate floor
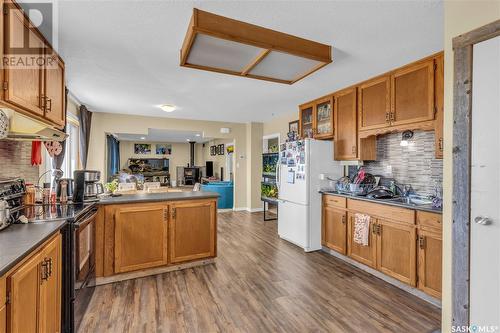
[[259, 283]]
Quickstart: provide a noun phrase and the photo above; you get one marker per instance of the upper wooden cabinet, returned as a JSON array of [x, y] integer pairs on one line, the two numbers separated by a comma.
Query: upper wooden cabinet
[[140, 237], [192, 230], [316, 119], [412, 97], [35, 89], [439, 101], [348, 146], [35, 291], [54, 91], [374, 98]]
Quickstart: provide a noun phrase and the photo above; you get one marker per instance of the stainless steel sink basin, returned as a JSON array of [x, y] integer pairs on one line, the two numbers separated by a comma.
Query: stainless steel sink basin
[[412, 200]]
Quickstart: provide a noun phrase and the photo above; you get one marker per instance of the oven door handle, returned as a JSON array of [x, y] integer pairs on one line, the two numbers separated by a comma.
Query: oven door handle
[[86, 220]]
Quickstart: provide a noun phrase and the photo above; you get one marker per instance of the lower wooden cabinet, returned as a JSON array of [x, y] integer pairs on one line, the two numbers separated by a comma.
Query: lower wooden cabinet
[[396, 254], [140, 237], [3, 319], [334, 229], [35, 292], [192, 230], [429, 262], [364, 254]]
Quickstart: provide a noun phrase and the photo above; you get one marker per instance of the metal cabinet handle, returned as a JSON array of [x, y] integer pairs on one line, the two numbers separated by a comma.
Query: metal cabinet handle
[[441, 144], [44, 272], [173, 212], [354, 149], [343, 219], [421, 242], [392, 118], [374, 229], [49, 107], [379, 228], [387, 117], [483, 220]]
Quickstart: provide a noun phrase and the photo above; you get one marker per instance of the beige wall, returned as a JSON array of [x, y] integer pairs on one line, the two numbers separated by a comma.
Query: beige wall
[[179, 157], [459, 17], [219, 160], [103, 123], [254, 132], [279, 124]]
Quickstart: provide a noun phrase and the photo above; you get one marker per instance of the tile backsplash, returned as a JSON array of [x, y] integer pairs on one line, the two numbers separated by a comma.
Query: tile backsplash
[[15, 161], [414, 164]]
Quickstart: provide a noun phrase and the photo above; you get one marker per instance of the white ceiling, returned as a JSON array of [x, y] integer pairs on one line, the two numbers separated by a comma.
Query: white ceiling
[[159, 135], [123, 56]]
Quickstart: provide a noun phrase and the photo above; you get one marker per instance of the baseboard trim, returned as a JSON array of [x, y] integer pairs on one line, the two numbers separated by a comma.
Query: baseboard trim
[[414, 291], [246, 209], [152, 271], [239, 209]]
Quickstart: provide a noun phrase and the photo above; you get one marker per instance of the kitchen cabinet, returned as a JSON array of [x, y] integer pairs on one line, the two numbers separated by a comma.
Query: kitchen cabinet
[[192, 230], [55, 90], [35, 291], [35, 89], [316, 119], [374, 98], [3, 305], [140, 237], [334, 227], [306, 119], [323, 118], [364, 254], [396, 253], [439, 100], [347, 144], [412, 95], [3, 318], [429, 262], [23, 86]]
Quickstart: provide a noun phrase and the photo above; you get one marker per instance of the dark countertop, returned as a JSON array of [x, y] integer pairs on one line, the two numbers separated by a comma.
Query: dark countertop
[[425, 208], [19, 240], [154, 197]]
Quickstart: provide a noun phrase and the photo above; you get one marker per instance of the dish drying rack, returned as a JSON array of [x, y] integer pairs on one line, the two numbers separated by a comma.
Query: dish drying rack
[[345, 186]]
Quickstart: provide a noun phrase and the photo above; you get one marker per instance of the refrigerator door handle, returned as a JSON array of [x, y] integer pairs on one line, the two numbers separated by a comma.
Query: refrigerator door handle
[[278, 171]]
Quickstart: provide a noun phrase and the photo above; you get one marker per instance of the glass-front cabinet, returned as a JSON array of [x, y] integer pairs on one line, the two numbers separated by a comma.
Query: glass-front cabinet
[[324, 119], [306, 118], [316, 119]]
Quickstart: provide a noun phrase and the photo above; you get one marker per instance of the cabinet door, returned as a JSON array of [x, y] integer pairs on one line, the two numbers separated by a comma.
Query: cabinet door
[[140, 237], [413, 94], [323, 119], [364, 254], [50, 291], [334, 225], [24, 286], [3, 318], [429, 262], [374, 99], [439, 99], [396, 252], [192, 231], [54, 90], [346, 147], [25, 84], [306, 120]]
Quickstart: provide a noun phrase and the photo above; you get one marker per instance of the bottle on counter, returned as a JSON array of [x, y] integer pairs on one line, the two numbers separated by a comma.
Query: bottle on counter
[[46, 194], [63, 198], [29, 197]]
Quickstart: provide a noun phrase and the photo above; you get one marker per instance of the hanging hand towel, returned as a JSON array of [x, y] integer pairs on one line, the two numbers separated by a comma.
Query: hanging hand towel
[[361, 229], [36, 153]]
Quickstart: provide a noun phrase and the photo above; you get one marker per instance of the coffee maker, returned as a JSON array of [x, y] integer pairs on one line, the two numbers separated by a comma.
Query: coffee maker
[[87, 185]]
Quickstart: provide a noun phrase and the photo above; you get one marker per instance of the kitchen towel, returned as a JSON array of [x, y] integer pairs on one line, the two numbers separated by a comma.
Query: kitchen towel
[[36, 153], [361, 228]]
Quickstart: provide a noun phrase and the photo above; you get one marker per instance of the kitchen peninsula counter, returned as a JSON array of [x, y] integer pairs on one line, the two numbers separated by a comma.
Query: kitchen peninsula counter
[[143, 234]]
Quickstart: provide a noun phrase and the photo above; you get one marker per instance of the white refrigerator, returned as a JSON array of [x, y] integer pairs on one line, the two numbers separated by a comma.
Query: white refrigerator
[[300, 167]]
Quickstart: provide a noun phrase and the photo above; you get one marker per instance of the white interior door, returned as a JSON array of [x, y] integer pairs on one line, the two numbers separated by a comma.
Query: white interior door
[[485, 186]]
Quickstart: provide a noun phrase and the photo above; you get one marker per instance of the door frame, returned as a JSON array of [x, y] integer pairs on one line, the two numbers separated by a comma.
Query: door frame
[[462, 136]]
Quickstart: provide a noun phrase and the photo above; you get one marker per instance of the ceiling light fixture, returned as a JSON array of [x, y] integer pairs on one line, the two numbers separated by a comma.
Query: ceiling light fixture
[[198, 134], [220, 44], [143, 138], [406, 136], [167, 107]]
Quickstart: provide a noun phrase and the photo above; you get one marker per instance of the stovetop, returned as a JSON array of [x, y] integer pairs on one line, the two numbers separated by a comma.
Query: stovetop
[[46, 213]]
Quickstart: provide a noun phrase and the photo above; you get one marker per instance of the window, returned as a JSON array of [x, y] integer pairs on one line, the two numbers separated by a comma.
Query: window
[[71, 160]]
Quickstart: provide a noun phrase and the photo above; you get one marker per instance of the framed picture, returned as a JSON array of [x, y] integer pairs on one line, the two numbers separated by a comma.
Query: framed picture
[[293, 126], [163, 149], [221, 149], [212, 150], [142, 148]]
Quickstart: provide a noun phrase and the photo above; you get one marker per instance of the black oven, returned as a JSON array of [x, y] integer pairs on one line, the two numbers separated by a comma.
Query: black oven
[[82, 255]]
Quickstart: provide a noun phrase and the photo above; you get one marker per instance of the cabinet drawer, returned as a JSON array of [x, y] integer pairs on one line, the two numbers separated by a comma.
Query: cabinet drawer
[[332, 200], [382, 211], [3, 290], [429, 219]]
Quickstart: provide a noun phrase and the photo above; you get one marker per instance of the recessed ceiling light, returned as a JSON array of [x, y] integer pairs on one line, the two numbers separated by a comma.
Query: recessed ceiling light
[[168, 107], [143, 138], [198, 134]]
